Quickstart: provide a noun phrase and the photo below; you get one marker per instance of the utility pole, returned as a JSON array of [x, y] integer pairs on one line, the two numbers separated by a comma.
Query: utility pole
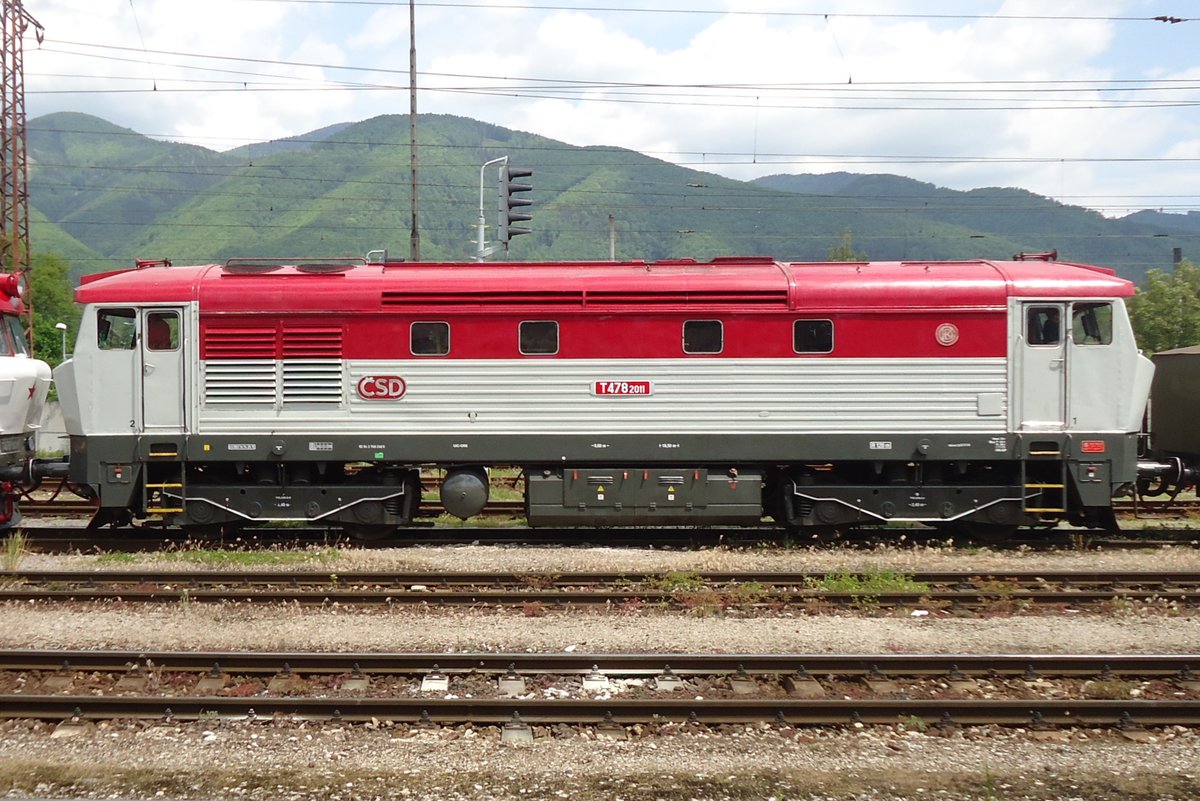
[[14, 168], [14, 172], [414, 242]]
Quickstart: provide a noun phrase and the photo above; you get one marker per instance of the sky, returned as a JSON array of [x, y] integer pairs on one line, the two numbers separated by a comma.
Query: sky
[[1091, 102]]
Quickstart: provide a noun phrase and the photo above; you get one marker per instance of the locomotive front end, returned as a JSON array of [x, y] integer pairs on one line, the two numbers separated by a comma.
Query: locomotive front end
[[24, 384]]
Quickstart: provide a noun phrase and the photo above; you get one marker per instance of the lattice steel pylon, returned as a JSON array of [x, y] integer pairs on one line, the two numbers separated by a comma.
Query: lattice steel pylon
[[14, 170]]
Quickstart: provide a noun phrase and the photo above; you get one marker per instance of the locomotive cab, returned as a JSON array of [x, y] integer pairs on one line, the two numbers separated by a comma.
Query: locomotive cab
[[1083, 387]]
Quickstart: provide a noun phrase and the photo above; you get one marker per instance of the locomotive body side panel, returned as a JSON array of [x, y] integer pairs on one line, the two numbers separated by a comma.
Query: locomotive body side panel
[[724, 397]]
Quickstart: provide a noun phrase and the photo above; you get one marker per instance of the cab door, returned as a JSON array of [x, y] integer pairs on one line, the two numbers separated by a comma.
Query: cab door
[[1042, 367], [161, 347]]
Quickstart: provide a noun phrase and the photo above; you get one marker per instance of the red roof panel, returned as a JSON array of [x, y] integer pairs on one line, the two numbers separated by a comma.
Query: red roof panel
[[729, 284]]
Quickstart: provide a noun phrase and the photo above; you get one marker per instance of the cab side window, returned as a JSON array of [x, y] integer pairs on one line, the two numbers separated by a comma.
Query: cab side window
[[1091, 324], [116, 329], [6, 349], [16, 335], [1043, 326], [162, 330]]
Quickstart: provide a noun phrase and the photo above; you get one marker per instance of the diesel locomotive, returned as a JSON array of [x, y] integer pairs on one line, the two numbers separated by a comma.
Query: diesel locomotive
[[978, 396], [24, 384]]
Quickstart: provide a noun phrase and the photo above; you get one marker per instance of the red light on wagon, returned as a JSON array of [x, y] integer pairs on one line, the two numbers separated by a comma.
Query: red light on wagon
[[14, 286], [1091, 446]]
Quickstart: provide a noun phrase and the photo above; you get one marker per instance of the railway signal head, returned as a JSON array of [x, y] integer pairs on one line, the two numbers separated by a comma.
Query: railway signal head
[[510, 203]]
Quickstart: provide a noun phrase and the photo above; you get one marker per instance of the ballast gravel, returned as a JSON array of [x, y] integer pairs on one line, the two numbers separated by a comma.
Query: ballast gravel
[[272, 760]]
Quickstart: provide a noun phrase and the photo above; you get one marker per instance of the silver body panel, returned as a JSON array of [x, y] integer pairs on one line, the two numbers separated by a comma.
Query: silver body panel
[[725, 396]]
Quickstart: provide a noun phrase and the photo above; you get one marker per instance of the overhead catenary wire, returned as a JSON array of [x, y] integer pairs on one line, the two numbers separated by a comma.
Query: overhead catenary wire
[[1164, 18]]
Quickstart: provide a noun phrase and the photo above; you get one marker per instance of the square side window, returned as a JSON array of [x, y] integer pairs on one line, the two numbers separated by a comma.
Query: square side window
[[703, 336], [429, 339], [539, 338], [812, 336]]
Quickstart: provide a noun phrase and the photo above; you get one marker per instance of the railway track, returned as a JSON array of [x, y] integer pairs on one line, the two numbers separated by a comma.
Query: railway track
[[519, 689], [50, 538], [744, 590]]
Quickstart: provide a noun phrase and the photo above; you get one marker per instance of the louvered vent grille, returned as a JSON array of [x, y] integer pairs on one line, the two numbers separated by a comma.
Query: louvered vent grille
[[238, 343], [239, 381], [312, 381], [769, 298], [549, 299], [312, 343], [241, 366], [478, 298]]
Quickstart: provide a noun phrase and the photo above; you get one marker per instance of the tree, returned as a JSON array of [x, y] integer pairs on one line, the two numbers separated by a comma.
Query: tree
[[1166, 312], [53, 303], [844, 249]]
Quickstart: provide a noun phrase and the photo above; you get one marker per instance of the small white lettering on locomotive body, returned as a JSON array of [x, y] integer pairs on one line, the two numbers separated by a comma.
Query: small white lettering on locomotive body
[[877, 445], [242, 446], [320, 446]]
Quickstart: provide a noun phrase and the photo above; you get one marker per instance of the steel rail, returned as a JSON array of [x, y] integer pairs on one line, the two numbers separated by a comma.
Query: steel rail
[[571, 598], [980, 579], [1034, 713], [1029, 666], [590, 589], [58, 539]]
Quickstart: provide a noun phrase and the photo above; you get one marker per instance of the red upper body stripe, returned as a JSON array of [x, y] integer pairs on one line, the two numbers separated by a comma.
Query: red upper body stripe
[[605, 310], [384, 336]]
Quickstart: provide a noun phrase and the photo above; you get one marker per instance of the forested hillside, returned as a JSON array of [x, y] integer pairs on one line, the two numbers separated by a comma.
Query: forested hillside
[[104, 195]]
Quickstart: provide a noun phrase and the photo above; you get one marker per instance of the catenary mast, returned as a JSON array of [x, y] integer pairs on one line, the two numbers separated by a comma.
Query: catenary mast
[[14, 250]]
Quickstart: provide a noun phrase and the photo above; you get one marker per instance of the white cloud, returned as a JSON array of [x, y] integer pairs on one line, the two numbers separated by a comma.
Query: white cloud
[[505, 46]]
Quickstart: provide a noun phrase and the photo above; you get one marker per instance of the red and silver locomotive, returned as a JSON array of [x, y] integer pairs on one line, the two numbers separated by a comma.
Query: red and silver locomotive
[[980, 395], [24, 383]]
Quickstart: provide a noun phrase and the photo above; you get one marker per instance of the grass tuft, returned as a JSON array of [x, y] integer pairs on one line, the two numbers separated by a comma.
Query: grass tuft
[[16, 546]]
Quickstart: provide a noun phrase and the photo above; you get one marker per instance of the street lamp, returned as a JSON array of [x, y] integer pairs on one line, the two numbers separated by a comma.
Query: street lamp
[[63, 328]]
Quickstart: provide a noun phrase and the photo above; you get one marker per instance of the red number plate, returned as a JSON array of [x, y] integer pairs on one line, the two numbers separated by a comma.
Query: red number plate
[[622, 388]]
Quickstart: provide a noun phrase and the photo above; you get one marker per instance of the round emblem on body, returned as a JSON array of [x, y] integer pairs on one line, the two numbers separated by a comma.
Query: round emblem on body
[[381, 387], [947, 334]]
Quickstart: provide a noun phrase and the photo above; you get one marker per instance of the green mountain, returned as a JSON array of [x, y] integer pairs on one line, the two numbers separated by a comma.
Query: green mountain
[[47, 237], [1131, 245], [109, 195]]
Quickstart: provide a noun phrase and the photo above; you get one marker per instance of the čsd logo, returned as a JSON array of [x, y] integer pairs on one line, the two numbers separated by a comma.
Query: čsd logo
[[381, 387]]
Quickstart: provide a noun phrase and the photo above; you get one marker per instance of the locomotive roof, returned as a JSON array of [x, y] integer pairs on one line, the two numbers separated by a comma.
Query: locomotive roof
[[731, 283]]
